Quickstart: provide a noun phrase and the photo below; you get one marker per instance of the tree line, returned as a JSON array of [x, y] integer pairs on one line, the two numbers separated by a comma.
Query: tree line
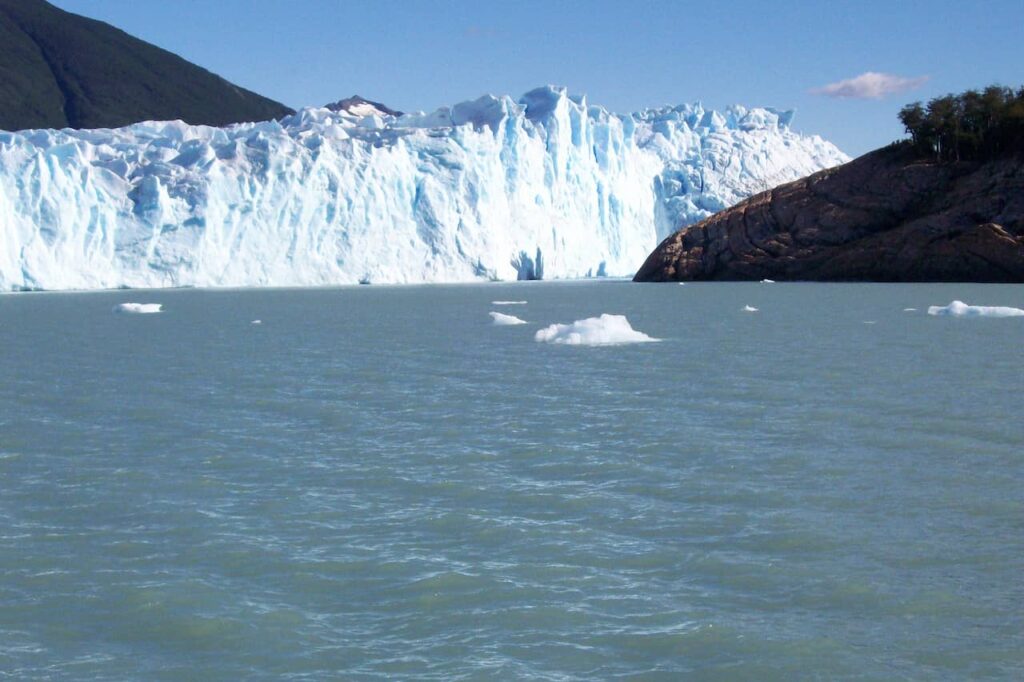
[[972, 125]]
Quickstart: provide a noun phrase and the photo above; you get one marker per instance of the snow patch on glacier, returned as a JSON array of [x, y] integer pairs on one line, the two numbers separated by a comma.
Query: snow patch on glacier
[[493, 189]]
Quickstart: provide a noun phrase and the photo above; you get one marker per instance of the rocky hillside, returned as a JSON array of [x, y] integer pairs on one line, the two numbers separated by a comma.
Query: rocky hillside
[[360, 106], [59, 69], [886, 216]]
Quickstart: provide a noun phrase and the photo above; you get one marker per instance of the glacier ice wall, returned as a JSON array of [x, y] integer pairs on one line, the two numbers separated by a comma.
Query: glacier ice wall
[[546, 187]]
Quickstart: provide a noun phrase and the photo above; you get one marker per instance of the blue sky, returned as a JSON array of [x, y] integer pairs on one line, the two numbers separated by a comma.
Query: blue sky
[[625, 56]]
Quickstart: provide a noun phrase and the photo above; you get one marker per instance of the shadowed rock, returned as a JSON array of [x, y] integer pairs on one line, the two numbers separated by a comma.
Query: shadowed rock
[[361, 106], [886, 216], [58, 69]]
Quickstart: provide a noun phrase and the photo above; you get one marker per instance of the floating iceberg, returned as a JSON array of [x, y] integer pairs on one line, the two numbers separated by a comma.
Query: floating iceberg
[[606, 330], [749, 309], [545, 187], [961, 309], [506, 320], [138, 308], [508, 302]]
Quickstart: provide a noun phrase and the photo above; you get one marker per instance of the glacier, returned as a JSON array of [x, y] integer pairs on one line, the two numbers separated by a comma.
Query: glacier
[[542, 187]]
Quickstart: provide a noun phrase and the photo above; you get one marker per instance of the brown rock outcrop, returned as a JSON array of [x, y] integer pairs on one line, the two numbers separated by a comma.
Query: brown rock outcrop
[[886, 217]]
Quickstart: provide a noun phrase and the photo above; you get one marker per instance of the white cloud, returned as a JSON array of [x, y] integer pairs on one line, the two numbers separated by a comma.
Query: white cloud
[[870, 85]]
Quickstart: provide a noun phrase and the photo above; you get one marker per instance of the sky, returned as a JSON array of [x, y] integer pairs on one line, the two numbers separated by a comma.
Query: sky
[[846, 67]]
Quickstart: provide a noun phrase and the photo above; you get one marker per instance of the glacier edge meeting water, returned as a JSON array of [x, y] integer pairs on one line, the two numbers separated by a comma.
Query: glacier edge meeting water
[[546, 187]]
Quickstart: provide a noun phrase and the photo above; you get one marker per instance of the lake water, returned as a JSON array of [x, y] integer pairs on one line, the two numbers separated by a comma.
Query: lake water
[[376, 482]]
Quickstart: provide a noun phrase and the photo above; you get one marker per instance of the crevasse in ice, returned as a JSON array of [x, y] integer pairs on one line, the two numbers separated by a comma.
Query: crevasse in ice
[[544, 187]]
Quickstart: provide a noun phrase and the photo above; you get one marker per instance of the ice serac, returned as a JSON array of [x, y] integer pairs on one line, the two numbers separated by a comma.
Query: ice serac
[[543, 187]]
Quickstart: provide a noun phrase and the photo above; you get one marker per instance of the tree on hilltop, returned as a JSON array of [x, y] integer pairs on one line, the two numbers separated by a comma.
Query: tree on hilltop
[[972, 125]]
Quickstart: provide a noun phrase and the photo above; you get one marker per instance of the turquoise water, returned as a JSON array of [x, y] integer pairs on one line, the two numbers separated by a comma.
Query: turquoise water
[[376, 482]]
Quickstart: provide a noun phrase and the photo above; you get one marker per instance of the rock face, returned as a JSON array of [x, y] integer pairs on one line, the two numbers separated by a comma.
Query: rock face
[[360, 106], [59, 70], [886, 216]]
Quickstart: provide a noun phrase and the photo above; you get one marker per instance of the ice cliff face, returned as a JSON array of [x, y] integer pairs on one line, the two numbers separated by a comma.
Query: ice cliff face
[[491, 189]]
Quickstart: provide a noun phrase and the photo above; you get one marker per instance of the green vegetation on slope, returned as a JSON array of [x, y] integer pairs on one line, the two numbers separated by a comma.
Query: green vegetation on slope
[[59, 69], [972, 125]]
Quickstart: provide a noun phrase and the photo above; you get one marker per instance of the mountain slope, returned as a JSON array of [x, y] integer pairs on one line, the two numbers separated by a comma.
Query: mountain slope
[[360, 106], [886, 216], [59, 69]]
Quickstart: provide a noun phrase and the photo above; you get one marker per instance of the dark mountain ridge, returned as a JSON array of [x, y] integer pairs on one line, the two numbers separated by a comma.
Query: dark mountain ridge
[[357, 103], [59, 69]]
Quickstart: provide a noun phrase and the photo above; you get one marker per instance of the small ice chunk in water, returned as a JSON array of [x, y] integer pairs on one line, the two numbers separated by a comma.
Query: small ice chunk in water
[[767, 281], [508, 302], [910, 310], [256, 322], [961, 309], [749, 309], [138, 308], [606, 330], [505, 320]]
